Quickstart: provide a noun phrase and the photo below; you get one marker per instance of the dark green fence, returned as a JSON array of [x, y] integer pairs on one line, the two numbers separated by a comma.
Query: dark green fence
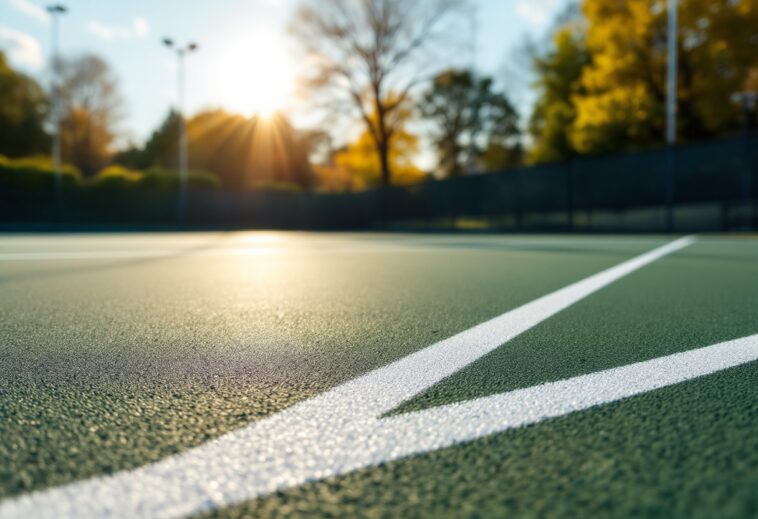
[[706, 186]]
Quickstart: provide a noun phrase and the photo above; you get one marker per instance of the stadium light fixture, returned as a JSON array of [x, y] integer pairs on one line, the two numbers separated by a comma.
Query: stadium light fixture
[[181, 52]]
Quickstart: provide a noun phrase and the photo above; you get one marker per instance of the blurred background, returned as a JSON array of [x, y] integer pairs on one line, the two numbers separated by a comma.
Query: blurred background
[[555, 115]]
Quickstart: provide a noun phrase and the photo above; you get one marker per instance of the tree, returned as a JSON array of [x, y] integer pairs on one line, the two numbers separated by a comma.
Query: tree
[[357, 166], [497, 156], [470, 117], [318, 145], [719, 42], [602, 83], [622, 105], [23, 108], [559, 73], [243, 152], [91, 109], [160, 150], [362, 50], [247, 153], [162, 147]]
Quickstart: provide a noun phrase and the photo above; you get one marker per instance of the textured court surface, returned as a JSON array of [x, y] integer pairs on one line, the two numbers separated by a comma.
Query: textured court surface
[[123, 350]]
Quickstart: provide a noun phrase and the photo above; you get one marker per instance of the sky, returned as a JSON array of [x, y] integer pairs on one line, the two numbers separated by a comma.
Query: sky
[[238, 41]]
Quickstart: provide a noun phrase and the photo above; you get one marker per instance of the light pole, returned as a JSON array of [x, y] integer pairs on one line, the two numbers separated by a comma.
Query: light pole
[[673, 54], [472, 165], [181, 52], [56, 11], [747, 100]]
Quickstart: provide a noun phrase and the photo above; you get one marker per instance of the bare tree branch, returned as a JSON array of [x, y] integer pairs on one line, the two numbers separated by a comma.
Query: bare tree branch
[[370, 53]]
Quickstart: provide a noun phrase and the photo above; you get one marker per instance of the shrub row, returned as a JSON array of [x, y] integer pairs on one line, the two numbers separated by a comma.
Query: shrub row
[[34, 173], [37, 174], [155, 179]]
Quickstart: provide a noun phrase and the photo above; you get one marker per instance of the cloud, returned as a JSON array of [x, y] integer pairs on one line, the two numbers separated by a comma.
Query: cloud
[[21, 48], [139, 28], [31, 10], [537, 13]]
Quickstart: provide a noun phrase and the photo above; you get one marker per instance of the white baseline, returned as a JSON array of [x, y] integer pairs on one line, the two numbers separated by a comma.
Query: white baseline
[[343, 430]]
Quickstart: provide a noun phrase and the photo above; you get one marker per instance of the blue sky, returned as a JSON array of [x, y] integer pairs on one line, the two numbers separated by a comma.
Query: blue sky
[[127, 34]]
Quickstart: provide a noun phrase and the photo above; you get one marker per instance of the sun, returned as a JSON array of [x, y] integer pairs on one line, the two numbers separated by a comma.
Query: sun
[[253, 74]]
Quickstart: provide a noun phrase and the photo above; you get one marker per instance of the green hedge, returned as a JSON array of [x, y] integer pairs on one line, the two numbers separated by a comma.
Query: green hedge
[[35, 173], [117, 178], [277, 187], [162, 179]]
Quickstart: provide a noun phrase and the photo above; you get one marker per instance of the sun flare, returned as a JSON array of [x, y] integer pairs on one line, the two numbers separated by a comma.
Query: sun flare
[[254, 75]]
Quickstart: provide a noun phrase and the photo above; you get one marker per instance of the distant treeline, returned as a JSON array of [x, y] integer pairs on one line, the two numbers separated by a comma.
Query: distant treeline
[[224, 149], [599, 75], [244, 153]]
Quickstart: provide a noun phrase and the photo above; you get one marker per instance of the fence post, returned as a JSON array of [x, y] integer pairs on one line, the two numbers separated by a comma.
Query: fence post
[[384, 207], [517, 184], [670, 186], [725, 214], [749, 191], [747, 178], [570, 193]]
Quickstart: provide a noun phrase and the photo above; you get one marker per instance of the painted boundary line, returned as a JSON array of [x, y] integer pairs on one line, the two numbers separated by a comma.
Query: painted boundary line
[[266, 249], [342, 430], [215, 252]]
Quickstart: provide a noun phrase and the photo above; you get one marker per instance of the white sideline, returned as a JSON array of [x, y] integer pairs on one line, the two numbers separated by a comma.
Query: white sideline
[[342, 430], [9, 255], [213, 252]]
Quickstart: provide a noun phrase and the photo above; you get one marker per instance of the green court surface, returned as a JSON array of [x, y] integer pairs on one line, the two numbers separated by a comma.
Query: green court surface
[[122, 350]]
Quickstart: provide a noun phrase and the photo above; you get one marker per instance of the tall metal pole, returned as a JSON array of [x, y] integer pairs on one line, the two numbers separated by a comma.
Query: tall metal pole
[[673, 30], [56, 109], [670, 181], [181, 53], [472, 158], [55, 12], [182, 136]]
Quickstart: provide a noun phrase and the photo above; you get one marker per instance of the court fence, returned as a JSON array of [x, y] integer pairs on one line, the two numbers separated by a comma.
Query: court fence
[[705, 186]]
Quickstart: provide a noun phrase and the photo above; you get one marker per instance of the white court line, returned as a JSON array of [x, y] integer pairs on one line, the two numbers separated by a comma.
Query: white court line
[[320, 240], [80, 255], [342, 430], [179, 253], [29, 256], [442, 426], [259, 250]]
